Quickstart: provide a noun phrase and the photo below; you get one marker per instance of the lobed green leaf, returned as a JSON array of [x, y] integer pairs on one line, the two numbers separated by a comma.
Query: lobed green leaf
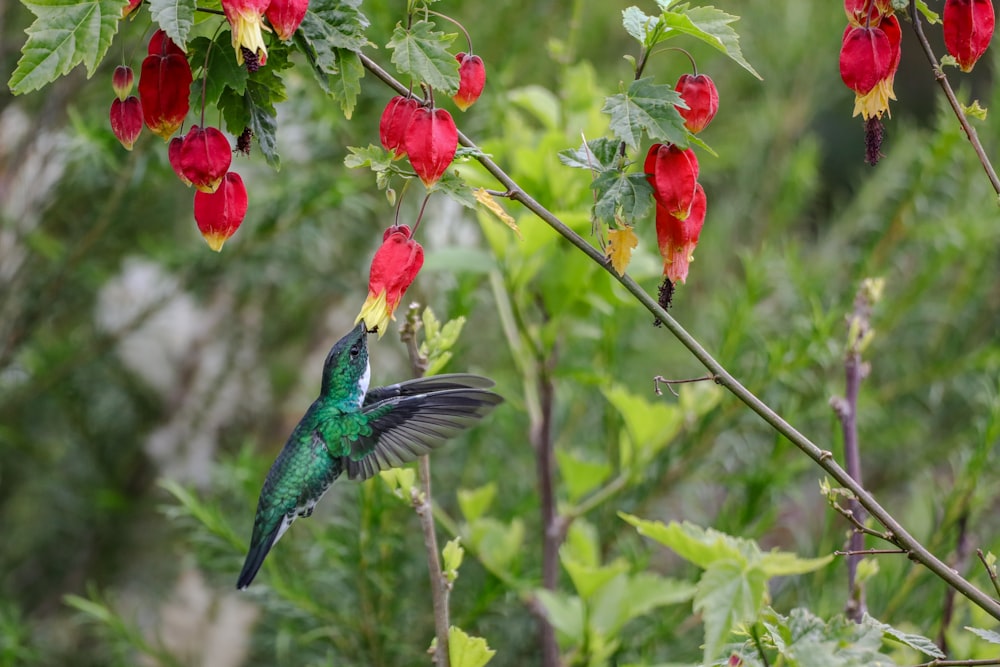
[[422, 53], [176, 17], [646, 107], [64, 34], [618, 192], [711, 26]]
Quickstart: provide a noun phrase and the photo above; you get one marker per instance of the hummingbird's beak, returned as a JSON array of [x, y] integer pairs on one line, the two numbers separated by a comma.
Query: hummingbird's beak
[[364, 328]]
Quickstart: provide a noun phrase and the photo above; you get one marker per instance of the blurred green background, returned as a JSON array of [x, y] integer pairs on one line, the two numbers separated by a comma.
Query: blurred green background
[[133, 359]]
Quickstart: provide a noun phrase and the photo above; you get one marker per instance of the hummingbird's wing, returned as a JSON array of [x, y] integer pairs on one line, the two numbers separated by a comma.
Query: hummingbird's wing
[[427, 385], [407, 425]]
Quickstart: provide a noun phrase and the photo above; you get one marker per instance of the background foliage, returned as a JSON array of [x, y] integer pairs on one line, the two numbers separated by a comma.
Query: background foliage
[[146, 383]]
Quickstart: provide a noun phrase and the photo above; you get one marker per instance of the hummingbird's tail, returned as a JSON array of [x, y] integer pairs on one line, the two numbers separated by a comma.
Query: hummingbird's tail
[[258, 552]]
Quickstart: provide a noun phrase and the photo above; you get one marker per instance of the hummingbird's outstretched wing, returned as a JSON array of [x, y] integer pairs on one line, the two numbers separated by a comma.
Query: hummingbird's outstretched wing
[[427, 385], [406, 425]]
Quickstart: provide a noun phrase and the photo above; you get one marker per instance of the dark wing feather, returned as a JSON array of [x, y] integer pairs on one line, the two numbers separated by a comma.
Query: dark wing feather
[[405, 427], [427, 385]]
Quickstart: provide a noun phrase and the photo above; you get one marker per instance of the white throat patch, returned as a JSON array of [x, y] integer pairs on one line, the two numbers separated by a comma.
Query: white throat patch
[[363, 382]]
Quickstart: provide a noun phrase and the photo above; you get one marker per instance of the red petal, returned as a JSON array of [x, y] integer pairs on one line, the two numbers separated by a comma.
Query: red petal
[[677, 238], [285, 16], [472, 80], [673, 173], [164, 88], [395, 119], [431, 140], [205, 157], [866, 57], [126, 120], [174, 155], [221, 213], [968, 29], [702, 97]]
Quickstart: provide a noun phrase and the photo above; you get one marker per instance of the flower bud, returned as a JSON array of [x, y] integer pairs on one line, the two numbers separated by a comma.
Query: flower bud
[[673, 173], [968, 29], [392, 126], [702, 98], [471, 80], [126, 120], [285, 16], [205, 157], [164, 86], [430, 141], [219, 214], [121, 81], [130, 7]]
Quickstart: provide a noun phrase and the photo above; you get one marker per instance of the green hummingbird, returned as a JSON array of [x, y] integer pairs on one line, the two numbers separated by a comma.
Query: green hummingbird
[[349, 428]]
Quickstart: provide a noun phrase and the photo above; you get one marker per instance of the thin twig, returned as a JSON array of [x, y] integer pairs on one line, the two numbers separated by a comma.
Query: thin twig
[[991, 570], [869, 552], [821, 457], [956, 106], [960, 663], [860, 527], [659, 379], [423, 505]]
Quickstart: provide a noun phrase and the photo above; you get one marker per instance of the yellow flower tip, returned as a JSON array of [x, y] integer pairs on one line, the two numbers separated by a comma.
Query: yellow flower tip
[[215, 241], [876, 101], [375, 312], [247, 32]]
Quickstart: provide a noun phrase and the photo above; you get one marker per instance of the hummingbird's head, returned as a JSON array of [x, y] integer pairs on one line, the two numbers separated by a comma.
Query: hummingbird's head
[[346, 372]]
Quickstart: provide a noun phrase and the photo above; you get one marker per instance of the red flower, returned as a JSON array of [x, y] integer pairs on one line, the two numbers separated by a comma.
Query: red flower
[[164, 86], [205, 157], [869, 58], [471, 80], [121, 81], [126, 120], [677, 238], [130, 6], [246, 19], [285, 16], [220, 214], [702, 97], [968, 29], [863, 13], [394, 266], [673, 173], [174, 155], [392, 126], [430, 141]]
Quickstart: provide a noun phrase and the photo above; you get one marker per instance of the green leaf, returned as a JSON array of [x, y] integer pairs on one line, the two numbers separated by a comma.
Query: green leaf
[[421, 53], [330, 36], [711, 26], [728, 594], [467, 651], [650, 425], [916, 642], [629, 194], [455, 187], [497, 544], [988, 635], [929, 14], [693, 543], [452, 555], [176, 17], [638, 24], [648, 107], [595, 155], [223, 70], [374, 157], [64, 34], [254, 107], [587, 579], [475, 502], [805, 640], [565, 613], [580, 476], [785, 563], [647, 591]]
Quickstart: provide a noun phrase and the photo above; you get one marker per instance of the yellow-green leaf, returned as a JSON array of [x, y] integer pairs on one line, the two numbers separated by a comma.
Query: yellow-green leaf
[[467, 651], [621, 242]]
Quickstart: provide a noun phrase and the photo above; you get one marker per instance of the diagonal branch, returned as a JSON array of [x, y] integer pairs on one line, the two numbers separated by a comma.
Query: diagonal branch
[[821, 457]]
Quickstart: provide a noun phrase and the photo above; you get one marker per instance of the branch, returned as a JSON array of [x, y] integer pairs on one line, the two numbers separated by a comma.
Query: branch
[[942, 80], [960, 663], [821, 457], [423, 505]]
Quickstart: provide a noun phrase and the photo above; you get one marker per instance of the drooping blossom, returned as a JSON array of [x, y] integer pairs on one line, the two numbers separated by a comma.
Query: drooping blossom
[[471, 80], [164, 86], [394, 266], [869, 58], [285, 16], [392, 126], [430, 141], [673, 173], [968, 28], [702, 99], [219, 214], [678, 238], [126, 120], [246, 20], [205, 157]]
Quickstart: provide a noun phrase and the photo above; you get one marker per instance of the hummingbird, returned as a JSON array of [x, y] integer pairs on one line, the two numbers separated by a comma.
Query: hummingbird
[[352, 429]]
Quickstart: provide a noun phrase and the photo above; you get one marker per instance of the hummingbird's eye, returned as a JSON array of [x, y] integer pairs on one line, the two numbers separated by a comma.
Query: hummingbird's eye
[[355, 351]]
